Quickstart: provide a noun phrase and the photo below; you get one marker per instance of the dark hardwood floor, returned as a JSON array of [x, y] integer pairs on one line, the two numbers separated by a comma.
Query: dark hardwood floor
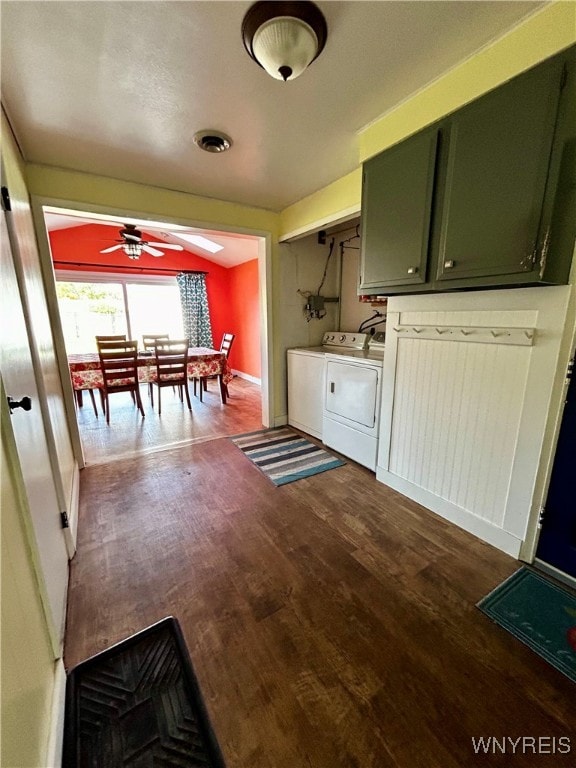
[[128, 433], [331, 622]]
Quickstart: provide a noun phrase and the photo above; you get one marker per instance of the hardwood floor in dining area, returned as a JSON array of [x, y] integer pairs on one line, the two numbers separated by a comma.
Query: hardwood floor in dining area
[[331, 622], [129, 433]]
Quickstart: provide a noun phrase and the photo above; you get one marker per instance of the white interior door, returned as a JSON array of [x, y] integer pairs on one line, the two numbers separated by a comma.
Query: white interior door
[[28, 426]]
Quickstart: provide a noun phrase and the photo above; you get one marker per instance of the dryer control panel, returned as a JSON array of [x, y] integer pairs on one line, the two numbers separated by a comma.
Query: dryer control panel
[[346, 340]]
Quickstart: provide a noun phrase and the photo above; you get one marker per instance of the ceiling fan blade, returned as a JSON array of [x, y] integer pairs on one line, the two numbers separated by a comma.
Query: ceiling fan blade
[[112, 248], [152, 251], [168, 245]]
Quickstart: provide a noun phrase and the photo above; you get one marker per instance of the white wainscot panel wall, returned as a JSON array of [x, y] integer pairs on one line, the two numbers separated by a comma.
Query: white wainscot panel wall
[[466, 391]]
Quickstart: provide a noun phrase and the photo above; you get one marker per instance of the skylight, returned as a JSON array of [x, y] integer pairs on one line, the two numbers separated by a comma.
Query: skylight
[[201, 242]]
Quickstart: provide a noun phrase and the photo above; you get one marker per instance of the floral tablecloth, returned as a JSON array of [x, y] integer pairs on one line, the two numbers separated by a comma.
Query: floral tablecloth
[[202, 361]]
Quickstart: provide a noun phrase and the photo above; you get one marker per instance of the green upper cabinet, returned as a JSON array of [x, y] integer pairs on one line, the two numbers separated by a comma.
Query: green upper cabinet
[[483, 198], [397, 190], [497, 166]]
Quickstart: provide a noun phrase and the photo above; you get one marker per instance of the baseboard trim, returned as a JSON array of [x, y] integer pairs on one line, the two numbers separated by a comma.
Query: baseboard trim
[[71, 533], [565, 578], [57, 712], [483, 529], [247, 376]]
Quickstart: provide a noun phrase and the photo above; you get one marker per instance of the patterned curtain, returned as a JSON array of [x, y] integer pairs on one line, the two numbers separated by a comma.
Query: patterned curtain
[[195, 311]]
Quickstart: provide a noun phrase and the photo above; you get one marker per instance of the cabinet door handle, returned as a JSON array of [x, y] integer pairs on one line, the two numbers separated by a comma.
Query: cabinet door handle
[[449, 264], [412, 270], [332, 387]]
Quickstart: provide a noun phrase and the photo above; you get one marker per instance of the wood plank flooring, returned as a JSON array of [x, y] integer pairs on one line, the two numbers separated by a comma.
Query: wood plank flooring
[[331, 622], [128, 433]]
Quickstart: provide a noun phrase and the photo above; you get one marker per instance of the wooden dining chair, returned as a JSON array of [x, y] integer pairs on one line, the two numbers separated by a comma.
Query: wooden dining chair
[[171, 368], [149, 340], [225, 346], [119, 365], [117, 337], [147, 372], [87, 381]]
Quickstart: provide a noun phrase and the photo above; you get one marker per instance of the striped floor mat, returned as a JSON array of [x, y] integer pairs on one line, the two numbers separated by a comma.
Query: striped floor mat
[[284, 456]]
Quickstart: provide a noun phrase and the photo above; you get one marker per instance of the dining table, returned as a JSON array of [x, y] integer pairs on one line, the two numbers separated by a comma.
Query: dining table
[[86, 373]]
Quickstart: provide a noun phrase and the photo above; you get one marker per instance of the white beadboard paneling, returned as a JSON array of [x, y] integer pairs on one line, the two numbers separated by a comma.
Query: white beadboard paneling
[[455, 426], [462, 423]]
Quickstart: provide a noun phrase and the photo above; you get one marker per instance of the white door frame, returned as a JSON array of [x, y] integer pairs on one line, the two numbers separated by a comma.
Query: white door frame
[[554, 421], [38, 203]]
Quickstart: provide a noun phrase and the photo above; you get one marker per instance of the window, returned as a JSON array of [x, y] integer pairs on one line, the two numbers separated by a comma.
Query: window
[[154, 309], [102, 305]]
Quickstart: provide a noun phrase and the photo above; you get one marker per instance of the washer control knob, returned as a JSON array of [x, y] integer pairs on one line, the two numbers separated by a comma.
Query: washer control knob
[[343, 338]]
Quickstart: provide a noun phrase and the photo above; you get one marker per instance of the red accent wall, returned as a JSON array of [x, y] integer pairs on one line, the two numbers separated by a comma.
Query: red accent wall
[[245, 308], [232, 292]]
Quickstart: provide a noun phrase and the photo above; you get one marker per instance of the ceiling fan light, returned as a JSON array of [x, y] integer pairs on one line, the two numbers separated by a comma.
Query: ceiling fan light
[[284, 37], [132, 250]]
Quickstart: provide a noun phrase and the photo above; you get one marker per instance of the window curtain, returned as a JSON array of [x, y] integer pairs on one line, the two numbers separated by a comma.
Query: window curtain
[[195, 310]]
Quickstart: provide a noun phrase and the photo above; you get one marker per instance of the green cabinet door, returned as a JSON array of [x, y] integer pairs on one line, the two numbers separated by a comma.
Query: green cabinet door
[[497, 165], [558, 223], [397, 192]]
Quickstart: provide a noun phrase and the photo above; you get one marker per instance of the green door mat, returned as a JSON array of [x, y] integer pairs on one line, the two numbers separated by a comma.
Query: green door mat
[[539, 613]]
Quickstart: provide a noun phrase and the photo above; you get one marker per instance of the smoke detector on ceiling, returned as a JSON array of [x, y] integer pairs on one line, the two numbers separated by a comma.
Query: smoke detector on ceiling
[[212, 141]]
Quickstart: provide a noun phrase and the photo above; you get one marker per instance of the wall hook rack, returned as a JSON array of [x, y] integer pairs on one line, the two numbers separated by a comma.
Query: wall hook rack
[[479, 334]]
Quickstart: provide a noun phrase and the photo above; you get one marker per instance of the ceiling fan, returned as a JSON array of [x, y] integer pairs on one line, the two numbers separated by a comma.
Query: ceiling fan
[[133, 245]]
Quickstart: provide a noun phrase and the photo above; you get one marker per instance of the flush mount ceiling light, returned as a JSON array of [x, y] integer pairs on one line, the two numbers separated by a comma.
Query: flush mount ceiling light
[[284, 37], [212, 141]]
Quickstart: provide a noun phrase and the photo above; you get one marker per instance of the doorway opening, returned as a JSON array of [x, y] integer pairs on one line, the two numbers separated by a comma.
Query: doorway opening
[[556, 550], [100, 289]]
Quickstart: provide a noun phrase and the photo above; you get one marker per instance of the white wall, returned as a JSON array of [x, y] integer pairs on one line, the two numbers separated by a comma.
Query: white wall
[[302, 266], [352, 311]]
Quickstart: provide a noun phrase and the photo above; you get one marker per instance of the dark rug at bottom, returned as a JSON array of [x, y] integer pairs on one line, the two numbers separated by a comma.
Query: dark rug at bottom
[[538, 612], [138, 704]]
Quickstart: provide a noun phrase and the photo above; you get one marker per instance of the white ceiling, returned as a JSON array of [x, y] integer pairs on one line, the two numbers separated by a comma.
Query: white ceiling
[[119, 88]]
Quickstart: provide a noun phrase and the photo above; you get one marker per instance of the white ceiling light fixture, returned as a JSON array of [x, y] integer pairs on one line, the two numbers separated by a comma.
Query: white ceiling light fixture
[[284, 37]]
